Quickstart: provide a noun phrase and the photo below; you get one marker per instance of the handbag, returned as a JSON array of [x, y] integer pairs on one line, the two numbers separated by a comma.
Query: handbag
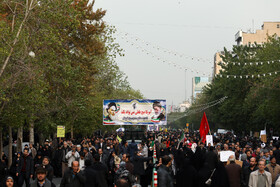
[[209, 181]]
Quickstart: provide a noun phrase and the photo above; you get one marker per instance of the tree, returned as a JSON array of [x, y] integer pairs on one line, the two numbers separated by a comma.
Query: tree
[[252, 101], [72, 71]]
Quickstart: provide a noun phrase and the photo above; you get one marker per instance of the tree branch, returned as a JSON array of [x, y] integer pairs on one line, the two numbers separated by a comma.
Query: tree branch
[[17, 36]]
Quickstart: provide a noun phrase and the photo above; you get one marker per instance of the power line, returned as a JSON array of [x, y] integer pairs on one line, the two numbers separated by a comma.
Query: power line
[[179, 25], [194, 111], [166, 61], [165, 50]]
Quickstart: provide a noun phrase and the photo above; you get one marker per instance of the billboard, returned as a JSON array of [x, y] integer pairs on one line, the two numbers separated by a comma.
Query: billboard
[[134, 112]]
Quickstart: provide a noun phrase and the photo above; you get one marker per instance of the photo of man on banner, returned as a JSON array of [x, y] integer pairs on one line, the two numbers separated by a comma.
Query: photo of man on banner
[[159, 112], [112, 111], [134, 112]]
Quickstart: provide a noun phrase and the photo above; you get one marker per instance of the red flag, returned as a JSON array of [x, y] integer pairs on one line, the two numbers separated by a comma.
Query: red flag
[[204, 128]]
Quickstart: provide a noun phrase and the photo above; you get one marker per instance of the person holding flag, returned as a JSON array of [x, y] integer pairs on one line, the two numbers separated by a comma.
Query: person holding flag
[[204, 128], [182, 138]]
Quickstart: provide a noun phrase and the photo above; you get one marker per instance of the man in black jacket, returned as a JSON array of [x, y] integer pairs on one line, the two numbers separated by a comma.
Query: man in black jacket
[[138, 163], [25, 169], [48, 167], [101, 171], [73, 177], [91, 175], [88, 155], [247, 171], [2, 171], [164, 177], [276, 153], [132, 148]]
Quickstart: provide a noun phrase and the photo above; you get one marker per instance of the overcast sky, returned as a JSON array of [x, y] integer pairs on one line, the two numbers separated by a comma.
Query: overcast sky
[[154, 33]]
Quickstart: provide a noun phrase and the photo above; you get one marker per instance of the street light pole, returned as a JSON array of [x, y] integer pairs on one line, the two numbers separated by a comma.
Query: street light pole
[[185, 85]]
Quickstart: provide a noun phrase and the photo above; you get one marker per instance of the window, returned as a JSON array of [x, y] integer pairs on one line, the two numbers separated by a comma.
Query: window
[[278, 26]]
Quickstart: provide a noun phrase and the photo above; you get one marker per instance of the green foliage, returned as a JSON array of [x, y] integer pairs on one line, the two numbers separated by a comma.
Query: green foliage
[[72, 72], [254, 102]]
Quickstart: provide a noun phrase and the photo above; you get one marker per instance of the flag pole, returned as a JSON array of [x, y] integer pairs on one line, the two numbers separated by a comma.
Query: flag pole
[[209, 132]]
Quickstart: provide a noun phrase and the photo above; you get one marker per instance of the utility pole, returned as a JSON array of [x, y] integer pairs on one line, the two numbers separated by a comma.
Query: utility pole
[[185, 85]]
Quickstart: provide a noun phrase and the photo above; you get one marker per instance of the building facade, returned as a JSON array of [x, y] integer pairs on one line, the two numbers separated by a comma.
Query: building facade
[[217, 60], [197, 85], [248, 38], [260, 36]]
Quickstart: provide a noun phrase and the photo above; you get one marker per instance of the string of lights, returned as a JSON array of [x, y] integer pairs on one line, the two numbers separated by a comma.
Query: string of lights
[[162, 49], [126, 36], [180, 25], [254, 63], [167, 61], [247, 76]]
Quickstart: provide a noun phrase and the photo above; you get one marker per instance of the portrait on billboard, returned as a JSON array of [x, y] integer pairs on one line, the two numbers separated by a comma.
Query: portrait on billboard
[[134, 112]]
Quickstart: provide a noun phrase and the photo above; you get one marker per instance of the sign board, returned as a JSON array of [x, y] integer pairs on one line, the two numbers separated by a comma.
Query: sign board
[[224, 155], [152, 127], [134, 112], [209, 139], [222, 131], [263, 132], [60, 131], [263, 136]]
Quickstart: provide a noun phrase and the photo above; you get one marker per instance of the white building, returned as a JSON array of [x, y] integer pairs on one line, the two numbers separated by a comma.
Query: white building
[[197, 85]]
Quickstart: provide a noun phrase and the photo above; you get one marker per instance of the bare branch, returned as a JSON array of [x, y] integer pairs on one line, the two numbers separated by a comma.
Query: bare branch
[[14, 17], [9, 6], [17, 36], [17, 3]]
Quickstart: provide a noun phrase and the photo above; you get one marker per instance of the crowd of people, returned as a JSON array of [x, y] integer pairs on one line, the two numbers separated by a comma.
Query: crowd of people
[[111, 160]]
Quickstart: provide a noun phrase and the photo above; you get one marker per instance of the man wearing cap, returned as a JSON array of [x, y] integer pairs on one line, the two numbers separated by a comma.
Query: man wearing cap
[[72, 156], [41, 179], [79, 149]]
